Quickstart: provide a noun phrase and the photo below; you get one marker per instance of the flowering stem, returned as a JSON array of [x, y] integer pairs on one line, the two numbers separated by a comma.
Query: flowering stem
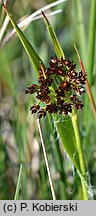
[[81, 155], [91, 98]]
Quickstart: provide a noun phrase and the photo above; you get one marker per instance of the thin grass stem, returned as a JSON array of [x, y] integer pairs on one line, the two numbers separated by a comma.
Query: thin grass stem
[[92, 31], [2, 12], [46, 161], [81, 29], [87, 84], [4, 26], [16, 197]]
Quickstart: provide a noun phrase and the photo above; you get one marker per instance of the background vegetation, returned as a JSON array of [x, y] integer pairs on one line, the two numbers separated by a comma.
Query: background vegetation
[[19, 138]]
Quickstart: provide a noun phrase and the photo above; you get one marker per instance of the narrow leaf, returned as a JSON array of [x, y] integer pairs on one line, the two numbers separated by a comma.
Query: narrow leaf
[[55, 42], [28, 47], [80, 30], [91, 53], [67, 136], [92, 32]]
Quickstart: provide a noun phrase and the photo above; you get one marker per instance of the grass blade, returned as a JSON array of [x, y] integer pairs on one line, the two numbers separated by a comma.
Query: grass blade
[[80, 28], [55, 42], [4, 26], [92, 30], [91, 48], [28, 47]]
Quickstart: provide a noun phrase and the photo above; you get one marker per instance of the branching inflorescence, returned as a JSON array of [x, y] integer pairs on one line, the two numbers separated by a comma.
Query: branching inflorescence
[[59, 88]]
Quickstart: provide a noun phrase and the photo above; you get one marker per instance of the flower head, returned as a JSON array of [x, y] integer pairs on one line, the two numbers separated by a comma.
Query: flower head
[[60, 88]]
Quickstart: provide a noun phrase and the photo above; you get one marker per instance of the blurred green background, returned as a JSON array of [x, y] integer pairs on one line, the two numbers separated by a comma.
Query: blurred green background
[[19, 139]]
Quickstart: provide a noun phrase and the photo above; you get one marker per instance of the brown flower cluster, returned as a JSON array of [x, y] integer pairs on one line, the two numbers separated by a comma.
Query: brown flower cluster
[[59, 88]]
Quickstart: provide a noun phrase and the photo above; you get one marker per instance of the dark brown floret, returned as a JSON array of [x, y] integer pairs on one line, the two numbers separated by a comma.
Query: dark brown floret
[[41, 113], [74, 98], [82, 76], [72, 75], [42, 94], [34, 108], [79, 105], [26, 91], [69, 107], [53, 62], [60, 101], [78, 81], [60, 92], [65, 85], [67, 62], [47, 99], [64, 109], [49, 72], [41, 80], [80, 90], [32, 89], [49, 81], [51, 108]]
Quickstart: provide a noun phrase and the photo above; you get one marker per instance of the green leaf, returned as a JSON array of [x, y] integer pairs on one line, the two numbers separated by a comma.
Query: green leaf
[[28, 47], [80, 30], [67, 136], [55, 42]]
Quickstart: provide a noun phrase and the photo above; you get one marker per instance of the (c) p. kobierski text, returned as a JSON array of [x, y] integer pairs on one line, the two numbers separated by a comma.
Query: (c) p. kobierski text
[[54, 207]]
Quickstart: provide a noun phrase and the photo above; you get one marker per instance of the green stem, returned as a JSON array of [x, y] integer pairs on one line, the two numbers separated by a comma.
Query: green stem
[[84, 188], [18, 184], [83, 175], [91, 53], [92, 31], [80, 28]]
